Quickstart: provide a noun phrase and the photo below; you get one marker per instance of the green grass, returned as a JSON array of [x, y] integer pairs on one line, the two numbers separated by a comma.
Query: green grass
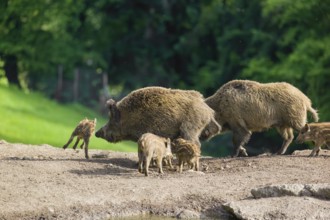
[[30, 118]]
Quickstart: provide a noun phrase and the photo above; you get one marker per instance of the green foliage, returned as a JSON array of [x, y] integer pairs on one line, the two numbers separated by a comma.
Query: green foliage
[[182, 44], [30, 118], [302, 49]]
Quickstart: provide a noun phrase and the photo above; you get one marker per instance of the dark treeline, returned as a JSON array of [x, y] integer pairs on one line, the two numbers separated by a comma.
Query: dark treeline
[[82, 50]]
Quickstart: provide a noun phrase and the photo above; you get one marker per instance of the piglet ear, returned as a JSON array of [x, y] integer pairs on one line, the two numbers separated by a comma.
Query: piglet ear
[[114, 112], [305, 129]]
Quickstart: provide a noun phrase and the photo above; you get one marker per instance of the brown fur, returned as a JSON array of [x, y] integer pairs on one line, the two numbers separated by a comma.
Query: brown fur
[[84, 130], [164, 112], [319, 133], [150, 146], [186, 151], [167, 161], [244, 106]]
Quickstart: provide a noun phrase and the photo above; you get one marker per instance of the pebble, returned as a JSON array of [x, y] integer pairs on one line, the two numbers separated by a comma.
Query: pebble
[[188, 214]]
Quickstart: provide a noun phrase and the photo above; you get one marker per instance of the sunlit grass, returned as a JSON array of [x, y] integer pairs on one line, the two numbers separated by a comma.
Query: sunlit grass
[[33, 119]]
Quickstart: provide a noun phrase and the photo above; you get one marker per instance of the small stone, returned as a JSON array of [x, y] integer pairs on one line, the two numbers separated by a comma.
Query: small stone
[[101, 155], [51, 209], [188, 214]]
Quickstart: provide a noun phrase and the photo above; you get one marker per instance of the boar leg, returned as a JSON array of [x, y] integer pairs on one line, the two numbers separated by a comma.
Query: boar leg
[[160, 164], [180, 165], [240, 137], [82, 145], [141, 162], [287, 135], [146, 167], [169, 162], [86, 140], [316, 150], [197, 164], [69, 142], [171, 165], [140, 167], [153, 162], [328, 145], [76, 143]]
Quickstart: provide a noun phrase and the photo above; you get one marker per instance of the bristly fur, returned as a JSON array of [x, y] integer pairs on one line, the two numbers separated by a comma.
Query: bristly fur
[[244, 106], [186, 152], [84, 131], [318, 133], [150, 146], [161, 111]]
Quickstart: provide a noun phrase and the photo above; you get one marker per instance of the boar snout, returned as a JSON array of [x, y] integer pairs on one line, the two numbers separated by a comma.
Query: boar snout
[[106, 135], [299, 140], [99, 133]]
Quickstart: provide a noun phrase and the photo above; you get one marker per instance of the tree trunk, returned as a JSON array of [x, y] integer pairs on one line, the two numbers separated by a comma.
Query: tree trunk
[[59, 89], [11, 69], [76, 85]]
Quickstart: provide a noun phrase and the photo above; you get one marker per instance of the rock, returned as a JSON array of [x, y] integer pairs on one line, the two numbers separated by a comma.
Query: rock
[[195, 172], [205, 167], [51, 209], [280, 208], [315, 190], [188, 214], [277, 191], [287, 201], [319, 190], [100, 155]]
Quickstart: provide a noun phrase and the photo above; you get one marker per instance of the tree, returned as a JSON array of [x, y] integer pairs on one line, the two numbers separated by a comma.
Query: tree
[[35, 37]]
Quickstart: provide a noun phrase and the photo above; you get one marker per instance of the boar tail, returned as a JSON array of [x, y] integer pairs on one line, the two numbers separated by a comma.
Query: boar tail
[[314, 114]]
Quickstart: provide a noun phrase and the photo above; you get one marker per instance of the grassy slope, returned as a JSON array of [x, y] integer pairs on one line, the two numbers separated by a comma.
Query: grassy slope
[[33, 119]]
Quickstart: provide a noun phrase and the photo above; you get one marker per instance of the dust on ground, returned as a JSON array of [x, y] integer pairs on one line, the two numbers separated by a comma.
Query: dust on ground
[[44, 182]]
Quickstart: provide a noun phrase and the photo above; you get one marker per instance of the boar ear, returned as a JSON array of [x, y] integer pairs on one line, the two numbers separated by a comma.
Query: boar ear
[[114, 112], [305, 129], [110, 103]]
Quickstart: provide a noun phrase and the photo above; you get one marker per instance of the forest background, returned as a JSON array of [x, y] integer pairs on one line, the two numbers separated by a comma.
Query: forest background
[[87, 51]]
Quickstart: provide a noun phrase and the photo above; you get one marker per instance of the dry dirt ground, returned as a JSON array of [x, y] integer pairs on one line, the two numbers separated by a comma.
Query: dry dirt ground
[[43, 182]]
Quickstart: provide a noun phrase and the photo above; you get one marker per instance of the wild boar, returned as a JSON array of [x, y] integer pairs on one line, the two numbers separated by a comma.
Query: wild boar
[[186, 152], [244, 106], [319, 133], [161, 111], [150, 146], [84, 130]]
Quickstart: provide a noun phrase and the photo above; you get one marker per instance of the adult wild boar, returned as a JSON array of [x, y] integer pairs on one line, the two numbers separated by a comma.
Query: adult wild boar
[[165, 112], [244, 106]]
